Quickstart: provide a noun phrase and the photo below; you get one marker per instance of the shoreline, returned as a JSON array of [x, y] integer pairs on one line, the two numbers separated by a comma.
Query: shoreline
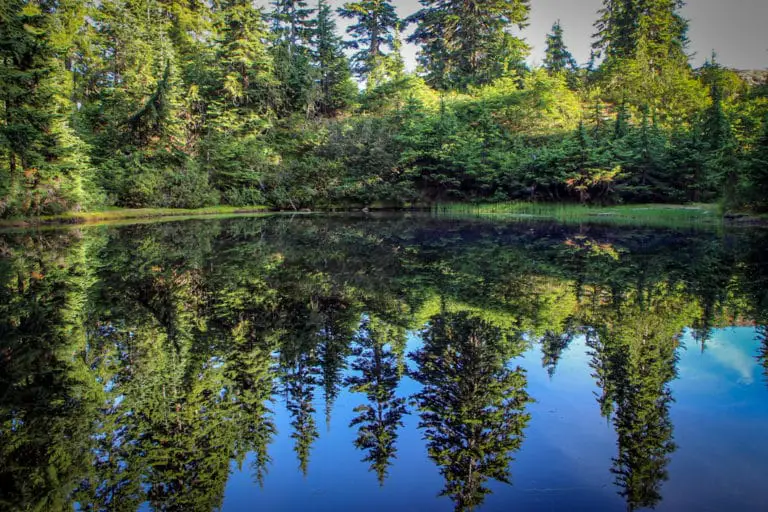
[[106, 216], [625, 214]]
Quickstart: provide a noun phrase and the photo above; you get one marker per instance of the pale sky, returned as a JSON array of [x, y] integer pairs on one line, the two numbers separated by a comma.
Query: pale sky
[[735, 29]]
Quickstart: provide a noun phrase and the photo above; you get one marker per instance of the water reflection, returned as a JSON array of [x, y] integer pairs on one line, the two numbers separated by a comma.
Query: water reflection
[[142, 366], [471, 404]]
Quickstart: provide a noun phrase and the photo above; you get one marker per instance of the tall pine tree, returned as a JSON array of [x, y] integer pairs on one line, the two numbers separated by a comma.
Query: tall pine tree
[[461, 42], [336, 88], [44, 161], [373, 32], [557, 58]]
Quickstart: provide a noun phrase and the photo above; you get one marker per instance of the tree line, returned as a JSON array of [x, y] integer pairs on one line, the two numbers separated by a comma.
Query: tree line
[[170, 103]]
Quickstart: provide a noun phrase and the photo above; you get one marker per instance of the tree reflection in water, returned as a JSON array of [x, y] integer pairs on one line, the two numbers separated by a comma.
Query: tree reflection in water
[[139, 365]]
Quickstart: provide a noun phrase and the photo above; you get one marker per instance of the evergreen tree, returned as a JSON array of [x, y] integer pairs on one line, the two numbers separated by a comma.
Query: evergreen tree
[[293, 23], [723, 162], [634, 354], [300, 385], [461, 42], [46, 168], [336, 87], [246, 67], [553, 345], [373, 32], [557, 57], [644, 45], [757, 172], [626, 27]]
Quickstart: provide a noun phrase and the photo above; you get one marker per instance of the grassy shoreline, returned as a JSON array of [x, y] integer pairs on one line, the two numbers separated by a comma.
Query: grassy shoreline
[[661, 215], [117, 214]]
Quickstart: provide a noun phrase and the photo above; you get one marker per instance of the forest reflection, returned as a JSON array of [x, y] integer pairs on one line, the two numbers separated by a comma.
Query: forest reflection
[[138, 364]]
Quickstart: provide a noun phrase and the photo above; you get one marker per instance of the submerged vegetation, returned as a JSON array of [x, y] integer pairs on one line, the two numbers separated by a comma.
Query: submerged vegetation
[[171, 104]]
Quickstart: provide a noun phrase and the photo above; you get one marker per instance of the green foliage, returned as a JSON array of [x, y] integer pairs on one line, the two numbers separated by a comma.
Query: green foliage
[[147, 103], [336, 89], [45, 165], [557, 58], [472, 405], [464, 44], [379, 419], [141, 364], [375, 22]]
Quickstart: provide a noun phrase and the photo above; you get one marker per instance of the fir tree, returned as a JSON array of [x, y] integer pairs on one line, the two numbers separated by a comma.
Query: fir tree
[[557, 57], [336, 87], [292, 22], [378, 420], [460, 41], [300, 390], [373, 32], [758, 170], [47, 165]]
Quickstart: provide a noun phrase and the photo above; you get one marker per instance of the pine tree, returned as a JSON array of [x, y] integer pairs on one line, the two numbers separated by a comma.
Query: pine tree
[[246, 65], [626, 27], [757, 173], [644, 44], [635, 353], [336, 88], [294, 28], [292, 22], [46, 161], [373, 32], [461, 41], [300, 389], [558, 59]]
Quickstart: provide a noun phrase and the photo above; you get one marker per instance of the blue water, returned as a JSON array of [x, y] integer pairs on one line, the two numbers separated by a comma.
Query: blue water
[[536, 366], [720, 416]]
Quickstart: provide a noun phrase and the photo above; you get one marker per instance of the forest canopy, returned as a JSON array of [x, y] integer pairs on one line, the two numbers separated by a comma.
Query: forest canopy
[[168, 103]]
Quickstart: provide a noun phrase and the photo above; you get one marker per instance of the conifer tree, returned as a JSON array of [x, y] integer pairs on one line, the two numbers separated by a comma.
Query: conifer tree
[[293, 23], [557, 58], [461, 41], [46, 161], [757, 173], [472, 405], [372, 32], [336, 89], [378, 420]]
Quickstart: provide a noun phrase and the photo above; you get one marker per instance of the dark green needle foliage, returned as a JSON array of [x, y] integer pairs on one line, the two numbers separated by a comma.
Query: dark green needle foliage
[[472, 405], [373, 34], [557, 58], [300, 383], [166, 103], [140, 365], [466, 43]]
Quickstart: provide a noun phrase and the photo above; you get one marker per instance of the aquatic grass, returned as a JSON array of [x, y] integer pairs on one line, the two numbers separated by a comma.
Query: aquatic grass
[[662, 215]]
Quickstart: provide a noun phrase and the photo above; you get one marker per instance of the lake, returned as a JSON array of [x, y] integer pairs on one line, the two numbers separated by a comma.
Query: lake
[[383, 362]]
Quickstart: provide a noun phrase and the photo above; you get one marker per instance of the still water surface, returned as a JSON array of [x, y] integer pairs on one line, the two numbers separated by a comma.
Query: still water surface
[[382, 363]]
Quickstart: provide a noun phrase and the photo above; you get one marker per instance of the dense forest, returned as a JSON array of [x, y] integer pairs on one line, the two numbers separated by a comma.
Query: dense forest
[[190, 103], [138, 365]]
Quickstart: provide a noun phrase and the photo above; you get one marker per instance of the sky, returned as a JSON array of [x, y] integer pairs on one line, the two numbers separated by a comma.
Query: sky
[[735, 29]]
